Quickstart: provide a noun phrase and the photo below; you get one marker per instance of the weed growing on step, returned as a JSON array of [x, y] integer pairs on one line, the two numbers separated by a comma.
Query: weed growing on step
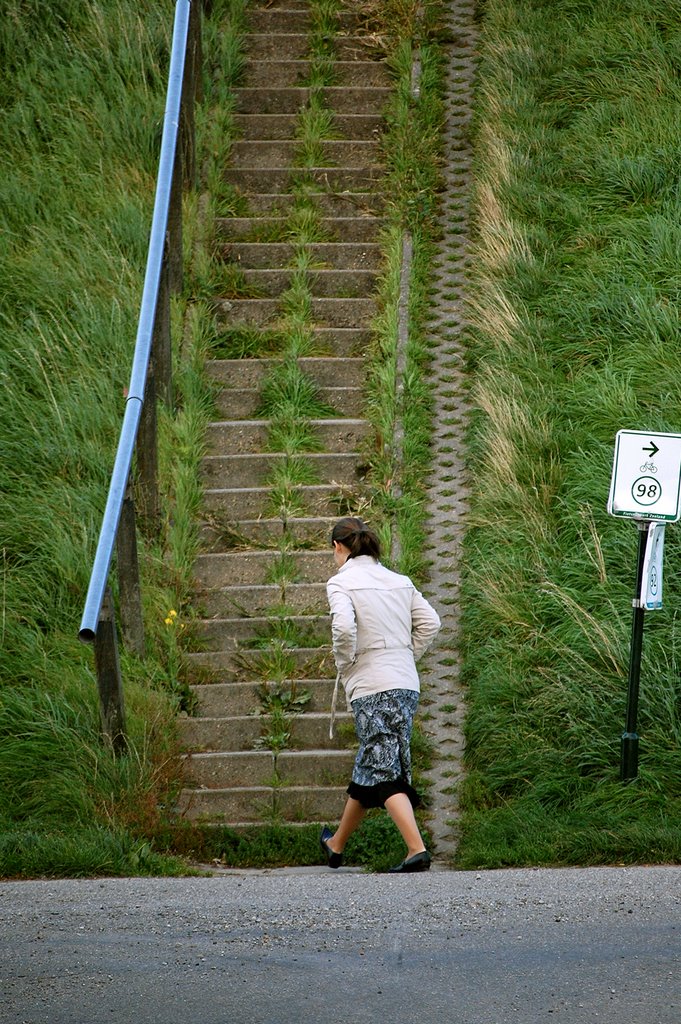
[[245, 343]]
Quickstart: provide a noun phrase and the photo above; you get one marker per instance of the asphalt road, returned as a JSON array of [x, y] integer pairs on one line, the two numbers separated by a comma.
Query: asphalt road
[[568, 946]]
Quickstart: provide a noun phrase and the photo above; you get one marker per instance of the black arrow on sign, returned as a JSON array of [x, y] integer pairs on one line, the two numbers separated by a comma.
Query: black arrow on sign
[[653, 449]]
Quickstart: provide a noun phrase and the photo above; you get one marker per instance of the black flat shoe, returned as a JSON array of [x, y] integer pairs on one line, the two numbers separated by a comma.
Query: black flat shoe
[[419, 862], [333, 859]]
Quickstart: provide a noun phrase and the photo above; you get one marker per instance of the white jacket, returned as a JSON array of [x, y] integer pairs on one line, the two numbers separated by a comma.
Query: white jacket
[[380, 625]]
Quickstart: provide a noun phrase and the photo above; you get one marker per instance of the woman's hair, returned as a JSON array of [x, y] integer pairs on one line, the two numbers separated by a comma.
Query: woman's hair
[[355, 535]]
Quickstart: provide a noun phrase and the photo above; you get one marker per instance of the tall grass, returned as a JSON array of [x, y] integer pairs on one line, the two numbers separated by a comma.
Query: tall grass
[[575, 330], [83, 90]]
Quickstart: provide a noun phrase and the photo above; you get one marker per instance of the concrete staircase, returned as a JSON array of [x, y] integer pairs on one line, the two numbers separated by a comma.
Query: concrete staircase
[[262, 672]]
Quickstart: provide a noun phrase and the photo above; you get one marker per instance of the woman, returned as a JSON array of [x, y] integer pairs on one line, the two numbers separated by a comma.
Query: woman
[[380, 625]]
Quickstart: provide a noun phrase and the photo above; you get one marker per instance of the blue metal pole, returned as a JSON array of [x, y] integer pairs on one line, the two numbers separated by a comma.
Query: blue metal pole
[[135, 399]]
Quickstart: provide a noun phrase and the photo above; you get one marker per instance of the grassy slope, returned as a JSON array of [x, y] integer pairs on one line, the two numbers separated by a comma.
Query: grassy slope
[[576, 336], [82, 87]]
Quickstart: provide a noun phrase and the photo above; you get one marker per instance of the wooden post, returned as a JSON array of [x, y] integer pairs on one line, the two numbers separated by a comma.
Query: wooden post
[[174, 232], [191, 91], [161, 345], [147, 458], [109, 680], [130, 594]]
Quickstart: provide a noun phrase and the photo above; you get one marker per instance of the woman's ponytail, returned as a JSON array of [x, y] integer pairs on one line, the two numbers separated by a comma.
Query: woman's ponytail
[[355, 535]]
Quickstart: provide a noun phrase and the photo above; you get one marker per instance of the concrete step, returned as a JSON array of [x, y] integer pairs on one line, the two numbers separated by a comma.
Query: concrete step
[[270, 21], [242, 437], [239, 666], [346, 256], [369, 203], [224, 471], [267, 46], [257, 804], [321, 283], [285, 5], [275, 22], [255, 568], [248, 180], [228, 699], [309, 731], [246, 403], [283, 74], [260, 767], [226, 602], [337, 342], [281, 153], [325, 371], [346, 230], [267, 127], [355, 313], [237, 504], [253, 631], [290, 101], [221, 534], [225, 700]]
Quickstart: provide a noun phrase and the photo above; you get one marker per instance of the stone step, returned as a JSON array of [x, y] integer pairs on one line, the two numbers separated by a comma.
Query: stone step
[[242, 437], [290, 101], [321, 283], [255, 568], [225, 700], [345, 256], [222, 534], [259, 631], [272, 20], [257, 804], [309, 731], [237, 504], [355, 313], [343, 342], [259, 767], [325, 342], [325, 371], [266, 46], [369, 203], [226, 602], [283, 74], [224, 471], [248, 180], [268, 127], [347, 230], [230, 666], [285, 5], [238, 666], [347, 154], [246, 403]]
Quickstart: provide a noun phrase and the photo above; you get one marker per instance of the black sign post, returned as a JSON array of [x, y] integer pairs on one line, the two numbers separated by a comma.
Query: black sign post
[[629, 756]]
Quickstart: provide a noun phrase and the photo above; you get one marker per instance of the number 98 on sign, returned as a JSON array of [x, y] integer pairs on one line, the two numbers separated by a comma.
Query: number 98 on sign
[[646, 491], [646, 476]]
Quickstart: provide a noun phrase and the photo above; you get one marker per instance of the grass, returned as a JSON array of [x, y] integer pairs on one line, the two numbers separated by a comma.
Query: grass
[[376, 846], [576, 298], [83, 92]]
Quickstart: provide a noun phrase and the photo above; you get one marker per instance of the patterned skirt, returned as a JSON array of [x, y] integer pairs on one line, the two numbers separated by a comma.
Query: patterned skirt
[[383, 723]]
